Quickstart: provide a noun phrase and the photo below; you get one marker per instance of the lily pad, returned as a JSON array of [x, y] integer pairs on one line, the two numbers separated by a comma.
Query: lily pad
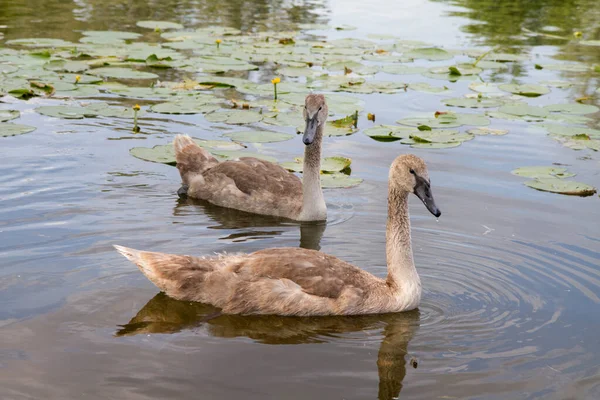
[[40, 42], [159, 25], [389, 133], [528, 90], [235, 117], [542, 172], [399, 69], [560, 186], [165, 154], [14, 129], [232, 155], [472, 103], [66, 66], [328, 164], [567, 67], [429, 53], [339, 181], [572, 108], [523, 110], [66, 112], [427, 88], [487, 131], [446, 120], [484, 87], [122, 73], [440, 136], [446, 145], [578, 142], [7, 115], [566, 130], [185, 106], [258, 136]]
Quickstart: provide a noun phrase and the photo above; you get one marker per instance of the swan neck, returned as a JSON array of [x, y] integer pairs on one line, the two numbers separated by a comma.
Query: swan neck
[[400, 262], [313, 202]]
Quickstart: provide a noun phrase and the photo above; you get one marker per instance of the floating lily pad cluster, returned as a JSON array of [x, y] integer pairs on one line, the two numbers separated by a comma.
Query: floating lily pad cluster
[[552, 179], [223, 76]]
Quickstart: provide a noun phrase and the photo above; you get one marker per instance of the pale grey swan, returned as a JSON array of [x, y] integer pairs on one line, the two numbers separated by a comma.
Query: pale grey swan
[[293, 281], [257, 186]]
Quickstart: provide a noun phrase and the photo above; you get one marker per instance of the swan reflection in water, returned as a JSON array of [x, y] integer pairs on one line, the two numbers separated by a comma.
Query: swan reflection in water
[[248, 224], [163, 314]]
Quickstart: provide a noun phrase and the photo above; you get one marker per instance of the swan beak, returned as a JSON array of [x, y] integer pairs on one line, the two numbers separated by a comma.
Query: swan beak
[[423, 192], [310, 131]]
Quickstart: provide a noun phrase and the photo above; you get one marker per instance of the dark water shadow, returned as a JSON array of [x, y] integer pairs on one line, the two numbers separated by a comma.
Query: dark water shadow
[[311, 233], [165, 315]]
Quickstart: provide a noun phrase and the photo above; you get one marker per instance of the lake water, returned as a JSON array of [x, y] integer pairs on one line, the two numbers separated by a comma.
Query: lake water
[[511, 275]]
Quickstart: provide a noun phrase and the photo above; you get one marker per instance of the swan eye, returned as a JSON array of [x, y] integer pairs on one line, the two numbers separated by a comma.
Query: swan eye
[[320, 108], [412, 171]]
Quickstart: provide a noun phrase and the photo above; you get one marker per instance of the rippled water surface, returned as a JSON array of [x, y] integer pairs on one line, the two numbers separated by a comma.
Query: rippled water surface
[[511, 276]]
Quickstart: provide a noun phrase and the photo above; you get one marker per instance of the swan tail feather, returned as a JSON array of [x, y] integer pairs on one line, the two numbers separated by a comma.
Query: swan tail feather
[[172, 274]]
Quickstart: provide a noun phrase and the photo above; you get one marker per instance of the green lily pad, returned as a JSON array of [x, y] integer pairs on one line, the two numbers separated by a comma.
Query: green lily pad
[[14, 129], [235, 117], [429, 53], [7, 115], [389, 133], [159, 25], [528, 90], [66, 66], [133, 92], [232, 155], [427, 88], [524, 110], [113, 34], [463, 70], [186, 106], [66, 112], [440, 136], [578, 142], [542, 172], [472, 103], [487, 131], [122, 73], [284, 119], [567, 67], [40, 42], [339, 181], [165, 154], [328, 164], [566, 130], [258, 136], [504, 57], [399, 69], [560, 186], [484, 87], [435, 145], [447, 120], [572, 108], [373, 87]]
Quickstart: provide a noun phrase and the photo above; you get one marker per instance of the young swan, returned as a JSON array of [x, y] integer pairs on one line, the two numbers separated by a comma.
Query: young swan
[[294, 281], [259, 186]]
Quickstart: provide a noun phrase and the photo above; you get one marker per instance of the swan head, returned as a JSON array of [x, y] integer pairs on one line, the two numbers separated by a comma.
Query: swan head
[[409, 174], [315, 114]]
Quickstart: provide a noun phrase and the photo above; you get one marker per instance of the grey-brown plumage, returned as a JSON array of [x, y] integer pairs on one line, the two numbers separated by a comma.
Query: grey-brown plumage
[[258, 186], [293, 281]]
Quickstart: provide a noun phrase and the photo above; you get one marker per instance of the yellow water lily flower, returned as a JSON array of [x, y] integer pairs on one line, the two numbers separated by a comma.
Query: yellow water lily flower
[[77, 78], [137, 107], [275, 81]]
